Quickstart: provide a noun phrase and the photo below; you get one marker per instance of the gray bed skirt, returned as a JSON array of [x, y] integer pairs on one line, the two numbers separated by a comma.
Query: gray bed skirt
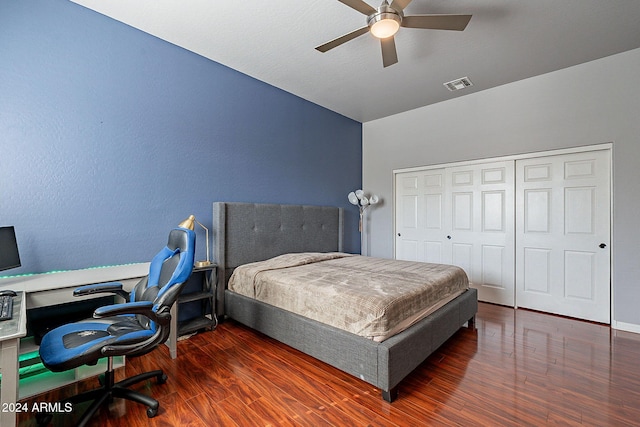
[[383, 364]]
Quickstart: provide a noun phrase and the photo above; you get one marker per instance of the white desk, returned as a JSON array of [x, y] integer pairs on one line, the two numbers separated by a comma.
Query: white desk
[[10, 333], [48, 289], [43, 290]]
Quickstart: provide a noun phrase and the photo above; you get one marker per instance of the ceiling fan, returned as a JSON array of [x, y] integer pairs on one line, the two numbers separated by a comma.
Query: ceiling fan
[[385, 21]]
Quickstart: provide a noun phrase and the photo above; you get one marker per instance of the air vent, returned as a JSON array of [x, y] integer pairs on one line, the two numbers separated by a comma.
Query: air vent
[[458, 84]]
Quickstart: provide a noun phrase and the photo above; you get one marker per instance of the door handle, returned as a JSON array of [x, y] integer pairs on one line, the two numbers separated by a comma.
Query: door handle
[[399, 234], [449, 237], [602, 245]]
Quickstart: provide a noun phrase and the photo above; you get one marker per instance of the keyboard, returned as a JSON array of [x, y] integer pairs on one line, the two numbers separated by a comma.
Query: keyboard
[[6, 307]]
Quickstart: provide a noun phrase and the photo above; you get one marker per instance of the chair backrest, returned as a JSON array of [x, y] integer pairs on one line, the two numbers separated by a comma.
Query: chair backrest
[[168, 272]]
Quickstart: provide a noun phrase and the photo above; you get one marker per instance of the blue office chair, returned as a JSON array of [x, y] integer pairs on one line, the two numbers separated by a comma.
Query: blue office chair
[[129, 329]]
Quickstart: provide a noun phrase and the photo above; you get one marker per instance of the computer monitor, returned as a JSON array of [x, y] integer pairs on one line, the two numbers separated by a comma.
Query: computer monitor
[[9, 256]]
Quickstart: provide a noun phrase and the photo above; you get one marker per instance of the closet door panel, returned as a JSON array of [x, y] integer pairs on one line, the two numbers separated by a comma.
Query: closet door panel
[[481, 219], [536, 270], [563, 234], [419, 215]]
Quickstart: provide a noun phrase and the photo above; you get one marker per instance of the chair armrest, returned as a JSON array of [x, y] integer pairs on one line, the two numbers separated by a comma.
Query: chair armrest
[[139, 307], [134, 349], [108, 287]]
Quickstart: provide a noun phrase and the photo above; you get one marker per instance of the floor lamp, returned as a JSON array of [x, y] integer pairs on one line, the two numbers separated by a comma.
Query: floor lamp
[[362, 201]]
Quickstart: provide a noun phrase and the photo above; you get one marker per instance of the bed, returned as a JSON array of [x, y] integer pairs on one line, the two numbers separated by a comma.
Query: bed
[[244, 233]]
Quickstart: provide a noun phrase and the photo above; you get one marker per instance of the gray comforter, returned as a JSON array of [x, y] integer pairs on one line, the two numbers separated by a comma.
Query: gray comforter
[[370, 297]]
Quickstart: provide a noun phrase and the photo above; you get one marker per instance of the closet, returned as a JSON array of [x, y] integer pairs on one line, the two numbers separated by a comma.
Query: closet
[[530, 231]]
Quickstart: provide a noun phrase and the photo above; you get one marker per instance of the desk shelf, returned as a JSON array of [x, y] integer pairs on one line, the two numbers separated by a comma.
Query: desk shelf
[[196, 324], [46, 380], [40, 379], [194, 296], [205, 294]]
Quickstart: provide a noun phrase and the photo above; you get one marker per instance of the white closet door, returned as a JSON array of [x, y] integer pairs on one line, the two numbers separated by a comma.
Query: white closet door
[[461, 216], [563, 234], [480, 219], [420, 234]]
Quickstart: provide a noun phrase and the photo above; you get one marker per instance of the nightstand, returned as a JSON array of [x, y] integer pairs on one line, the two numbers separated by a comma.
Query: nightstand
[[206, 296]]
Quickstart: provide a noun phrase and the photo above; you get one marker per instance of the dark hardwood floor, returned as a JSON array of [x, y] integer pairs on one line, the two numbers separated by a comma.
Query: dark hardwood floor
[[517, 368]]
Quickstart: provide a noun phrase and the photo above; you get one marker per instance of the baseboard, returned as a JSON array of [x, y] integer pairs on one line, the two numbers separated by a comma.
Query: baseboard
[[627, 327]]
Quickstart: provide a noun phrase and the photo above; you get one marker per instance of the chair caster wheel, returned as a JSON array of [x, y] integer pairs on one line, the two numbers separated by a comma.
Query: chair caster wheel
[[152, 412], [162, 378], [43, 418]]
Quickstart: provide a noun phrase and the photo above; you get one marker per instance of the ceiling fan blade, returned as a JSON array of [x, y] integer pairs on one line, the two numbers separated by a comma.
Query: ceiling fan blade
[[389, 54], [342, 39], [437, 22], [400, 4], [360, 6]]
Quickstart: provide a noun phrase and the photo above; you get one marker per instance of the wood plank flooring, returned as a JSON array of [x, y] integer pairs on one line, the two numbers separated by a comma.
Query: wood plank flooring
[[517, 368]]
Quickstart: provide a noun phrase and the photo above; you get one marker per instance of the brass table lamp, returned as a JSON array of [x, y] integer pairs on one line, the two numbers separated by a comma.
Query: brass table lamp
[[189, 223]]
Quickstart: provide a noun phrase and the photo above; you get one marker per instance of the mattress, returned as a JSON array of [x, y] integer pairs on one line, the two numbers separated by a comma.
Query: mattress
[[370, 297]]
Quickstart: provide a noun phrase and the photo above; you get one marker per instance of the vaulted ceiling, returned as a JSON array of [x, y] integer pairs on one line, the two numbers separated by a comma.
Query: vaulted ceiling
[[274, 41]]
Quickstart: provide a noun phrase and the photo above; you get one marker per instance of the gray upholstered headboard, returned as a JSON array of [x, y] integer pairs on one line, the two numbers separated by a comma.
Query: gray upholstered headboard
[[249, 232]]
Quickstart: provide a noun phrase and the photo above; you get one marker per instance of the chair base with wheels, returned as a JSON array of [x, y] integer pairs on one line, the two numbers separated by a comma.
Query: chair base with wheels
[[129, 329], [110, 389]]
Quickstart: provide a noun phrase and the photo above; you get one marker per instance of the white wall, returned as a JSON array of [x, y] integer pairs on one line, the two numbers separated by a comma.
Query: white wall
[[588, 104]]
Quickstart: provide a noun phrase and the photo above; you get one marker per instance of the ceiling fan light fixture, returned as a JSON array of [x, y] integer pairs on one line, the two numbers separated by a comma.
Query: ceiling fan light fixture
[[385, 21], [384, 25]]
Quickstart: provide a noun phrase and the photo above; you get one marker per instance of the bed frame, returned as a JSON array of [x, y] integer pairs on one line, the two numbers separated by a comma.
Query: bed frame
[[245, 232]]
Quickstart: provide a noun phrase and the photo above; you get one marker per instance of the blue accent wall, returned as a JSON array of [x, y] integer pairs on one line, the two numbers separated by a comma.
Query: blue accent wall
[[109, 137]]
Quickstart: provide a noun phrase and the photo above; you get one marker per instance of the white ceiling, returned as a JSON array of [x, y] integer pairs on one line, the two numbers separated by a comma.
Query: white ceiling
[[273, 41]]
